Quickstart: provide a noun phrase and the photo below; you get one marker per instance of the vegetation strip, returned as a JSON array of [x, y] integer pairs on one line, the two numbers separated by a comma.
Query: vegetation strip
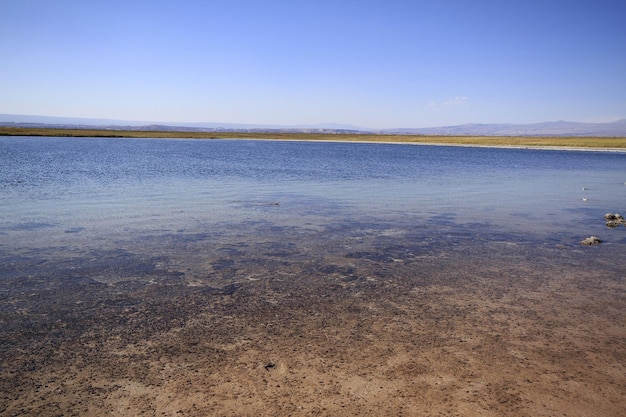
[[518, 141]]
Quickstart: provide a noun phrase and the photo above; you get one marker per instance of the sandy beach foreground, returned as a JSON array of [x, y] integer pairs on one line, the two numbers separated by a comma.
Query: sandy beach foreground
[[344, 323]]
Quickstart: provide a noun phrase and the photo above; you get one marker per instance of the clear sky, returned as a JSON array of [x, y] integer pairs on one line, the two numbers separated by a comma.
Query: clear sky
[[369, 63]]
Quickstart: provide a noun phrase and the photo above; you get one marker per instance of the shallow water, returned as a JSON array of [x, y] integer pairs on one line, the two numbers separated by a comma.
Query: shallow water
[[189, 202], [135, 271]]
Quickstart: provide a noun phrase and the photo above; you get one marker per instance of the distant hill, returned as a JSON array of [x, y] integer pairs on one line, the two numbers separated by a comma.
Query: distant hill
[[113, 124], [558, 128]]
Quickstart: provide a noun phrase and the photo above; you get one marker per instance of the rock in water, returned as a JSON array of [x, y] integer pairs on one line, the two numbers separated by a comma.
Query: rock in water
[[593, 240], [613, 220]]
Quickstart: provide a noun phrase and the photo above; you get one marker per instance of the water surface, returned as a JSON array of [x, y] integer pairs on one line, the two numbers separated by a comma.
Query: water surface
[[54, 186]]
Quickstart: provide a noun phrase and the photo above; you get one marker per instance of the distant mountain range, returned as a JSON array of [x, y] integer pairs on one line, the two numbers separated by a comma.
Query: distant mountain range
[[558, 128], [113, 124]]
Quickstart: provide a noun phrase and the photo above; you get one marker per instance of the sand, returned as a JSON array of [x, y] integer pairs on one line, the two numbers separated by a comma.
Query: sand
[[338, 324]]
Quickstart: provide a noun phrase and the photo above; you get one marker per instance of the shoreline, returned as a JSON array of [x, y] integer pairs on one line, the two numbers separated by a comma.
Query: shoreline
[[462, 145], [574, 143], [362, 142]]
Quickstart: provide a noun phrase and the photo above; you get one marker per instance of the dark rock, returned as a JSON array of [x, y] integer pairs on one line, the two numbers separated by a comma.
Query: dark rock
[[613, 220]]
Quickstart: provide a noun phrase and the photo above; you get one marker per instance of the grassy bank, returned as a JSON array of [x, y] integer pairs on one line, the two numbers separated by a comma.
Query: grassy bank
[[553, 141]]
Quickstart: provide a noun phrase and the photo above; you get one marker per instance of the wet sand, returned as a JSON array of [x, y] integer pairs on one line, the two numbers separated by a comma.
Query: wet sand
[[360, 319]]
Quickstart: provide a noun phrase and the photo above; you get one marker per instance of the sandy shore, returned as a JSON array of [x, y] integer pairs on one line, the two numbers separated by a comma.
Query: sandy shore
[[339, 324], [465, 145]]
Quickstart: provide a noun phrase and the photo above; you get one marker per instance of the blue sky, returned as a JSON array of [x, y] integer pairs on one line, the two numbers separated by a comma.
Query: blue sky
[[369, 63]]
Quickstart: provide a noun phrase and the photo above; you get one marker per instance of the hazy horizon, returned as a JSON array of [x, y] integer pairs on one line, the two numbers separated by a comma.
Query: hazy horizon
[[61, 120], [372, 64]]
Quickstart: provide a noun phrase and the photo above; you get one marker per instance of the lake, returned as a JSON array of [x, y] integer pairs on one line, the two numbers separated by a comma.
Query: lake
[[114, 253], [121, 187]]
